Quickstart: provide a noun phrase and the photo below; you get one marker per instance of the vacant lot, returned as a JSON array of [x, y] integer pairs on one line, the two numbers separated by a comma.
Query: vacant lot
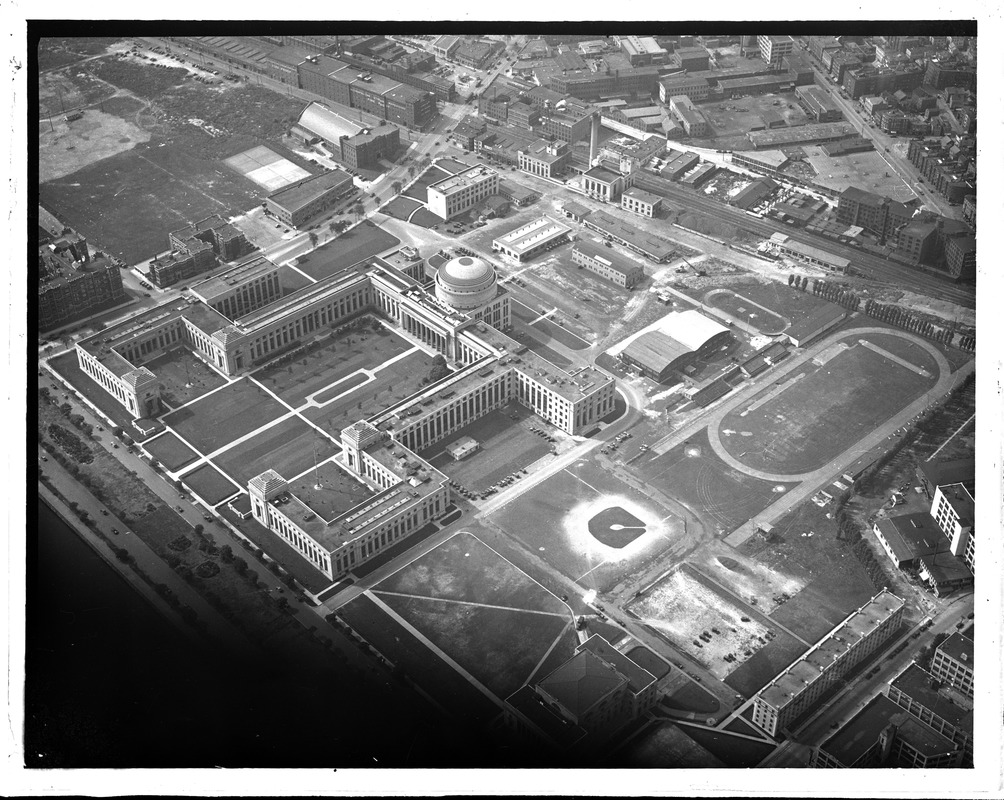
[[170, 451], [183, 376], [64, 147], [58, 51], [355, 245], [131, 201], [829, 407], [210, 484], [290, 448], [506, 447], [682, 609], [722, 497], [232, 412], [338, 357], [391, 384]]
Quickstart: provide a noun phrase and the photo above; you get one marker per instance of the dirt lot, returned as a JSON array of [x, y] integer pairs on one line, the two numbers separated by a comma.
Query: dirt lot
[[58, 51], [683, 609]]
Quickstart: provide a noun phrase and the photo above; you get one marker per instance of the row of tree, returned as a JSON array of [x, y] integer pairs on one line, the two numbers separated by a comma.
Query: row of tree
[[836, 294]]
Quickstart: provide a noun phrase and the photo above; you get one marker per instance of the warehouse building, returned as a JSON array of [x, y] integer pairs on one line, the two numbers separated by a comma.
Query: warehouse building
[[696, 89], [693, 121], [783, 244], [818, 104], [754, 194], [682, 338], [607, 264], [640, 202], [766, 162], [801, 134], [531, 239], [914, 690], [300, 202]]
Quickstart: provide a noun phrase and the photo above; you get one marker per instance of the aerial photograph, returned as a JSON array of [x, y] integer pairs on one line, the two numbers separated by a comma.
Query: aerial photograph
[[564, 398]]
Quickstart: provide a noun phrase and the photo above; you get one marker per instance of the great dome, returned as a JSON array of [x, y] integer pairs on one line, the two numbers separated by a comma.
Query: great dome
[[466, 283]]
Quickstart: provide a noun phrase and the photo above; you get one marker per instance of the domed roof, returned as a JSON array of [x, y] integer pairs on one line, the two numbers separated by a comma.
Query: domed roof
[[466, 271]]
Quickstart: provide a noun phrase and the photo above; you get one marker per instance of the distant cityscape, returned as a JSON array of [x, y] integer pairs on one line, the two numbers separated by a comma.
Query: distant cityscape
[[599, 400]]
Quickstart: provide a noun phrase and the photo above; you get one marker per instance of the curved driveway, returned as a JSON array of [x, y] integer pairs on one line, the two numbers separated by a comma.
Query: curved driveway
[[863, 445]]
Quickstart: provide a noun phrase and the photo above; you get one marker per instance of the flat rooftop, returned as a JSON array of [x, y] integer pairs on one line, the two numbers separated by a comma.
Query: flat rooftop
[[643, 196], [606, 256], [959, 647], [656, 249], [254, 266], [788, 685], [304, 192], [801, 133], [469, 177], [918, 682], [329, 493]]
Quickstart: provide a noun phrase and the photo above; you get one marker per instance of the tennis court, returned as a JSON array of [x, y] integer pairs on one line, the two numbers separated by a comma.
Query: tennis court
[[266, 168]]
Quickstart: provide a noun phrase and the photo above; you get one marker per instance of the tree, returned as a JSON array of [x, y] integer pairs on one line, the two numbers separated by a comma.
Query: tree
[[227, 554], [396, 186], [239, 563], [199, 529], [313, 239], [411, 170]]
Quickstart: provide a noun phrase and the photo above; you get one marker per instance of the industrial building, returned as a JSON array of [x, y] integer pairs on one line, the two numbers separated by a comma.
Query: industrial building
[[802, 134], [696, 89], [874, 213], [640, 202], [914, 690], [754, 194], [953, 663], [818, 104], [531, 239], [774, 48], [300, 202], [785, 245], [607, 264], [384, 97], [882, 734], [458, 193], [546, 159], [693, 121], [766, 162], [816, 324], [795, 690], [643, 51], [682, 338]]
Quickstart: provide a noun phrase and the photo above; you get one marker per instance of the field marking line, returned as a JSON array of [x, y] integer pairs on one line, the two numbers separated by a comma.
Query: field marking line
[[289, 264], [583, 575], [522, 572], [593, 488], [184, 183], [957, 432], [468, 603], [312, 402], [543, 658], [894, 358], [432, 647]]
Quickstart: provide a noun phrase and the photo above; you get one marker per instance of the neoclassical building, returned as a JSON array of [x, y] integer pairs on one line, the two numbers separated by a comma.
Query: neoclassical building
[[397, 491]]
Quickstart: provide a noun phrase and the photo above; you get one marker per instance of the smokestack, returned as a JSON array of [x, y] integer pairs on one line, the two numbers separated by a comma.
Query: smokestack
[[594, 138]]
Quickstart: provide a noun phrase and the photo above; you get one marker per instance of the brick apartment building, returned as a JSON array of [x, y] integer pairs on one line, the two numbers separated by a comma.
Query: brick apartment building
[[878, 215], [72, 283]]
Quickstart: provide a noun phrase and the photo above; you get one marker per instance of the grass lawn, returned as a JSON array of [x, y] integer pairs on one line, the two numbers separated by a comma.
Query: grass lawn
[[723, 497], [444, 684], [355, 245], [464, 568], [401, 207], [395, 550], [390, 385], [734, 751], [338, 357], [341, 387], [220, 418], [665, 746], [499, 647], [752, 675], [560, 653], [831, 407], [506, 447], [418, 189], [170, 451], [425, 218], [291, 280], [210, 484], [277, 549], [691, 697], [177, 369], [67, 366], [552, 520], [290, 448]]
